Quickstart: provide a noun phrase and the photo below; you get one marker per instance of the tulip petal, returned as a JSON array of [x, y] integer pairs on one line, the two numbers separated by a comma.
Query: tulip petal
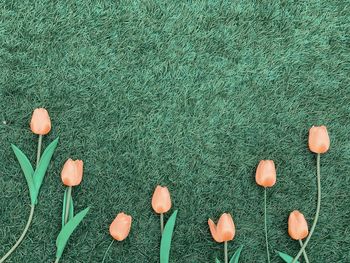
[[213, 231]]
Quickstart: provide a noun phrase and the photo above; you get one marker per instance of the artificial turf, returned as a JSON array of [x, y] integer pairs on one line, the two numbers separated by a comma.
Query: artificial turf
[[187, 94]]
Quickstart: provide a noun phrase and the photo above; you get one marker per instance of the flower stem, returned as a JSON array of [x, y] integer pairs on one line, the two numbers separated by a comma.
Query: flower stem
[[317, 209], [39, 150], [161, 223], [21, 237], [265, 221], [68, 198], [304, 252], [105, 255], [225, 251], [57, 259]]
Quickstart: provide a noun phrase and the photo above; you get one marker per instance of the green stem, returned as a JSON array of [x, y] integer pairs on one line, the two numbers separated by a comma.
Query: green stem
[[57, 259], [40, 141], [317, 209], [265, 221], [104, 257], [21, 237], [68, 201], [304, 252], [225, 251], [161, 223]]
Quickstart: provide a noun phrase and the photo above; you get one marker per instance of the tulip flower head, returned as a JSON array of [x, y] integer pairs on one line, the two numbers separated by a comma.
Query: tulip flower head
[[120, 227], [72, 172], [40, 123], [266, 173], [161, 201], [297, 225], [318, 139], [224, 230]]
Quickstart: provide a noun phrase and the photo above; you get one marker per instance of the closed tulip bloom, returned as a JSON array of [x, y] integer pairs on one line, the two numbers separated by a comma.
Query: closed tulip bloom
[[120, 227], [297, 225], [161, 201], [266, 173], [225, 229], [318, 139], [72, 172], [40, 122]]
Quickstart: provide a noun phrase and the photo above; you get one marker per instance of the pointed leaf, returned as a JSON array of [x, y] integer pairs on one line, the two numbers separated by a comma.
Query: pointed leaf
[[165, 243], [71, 208], [27, 170], [217, 261], [67, 231], [43, 164], [236, 256], [286, 257]]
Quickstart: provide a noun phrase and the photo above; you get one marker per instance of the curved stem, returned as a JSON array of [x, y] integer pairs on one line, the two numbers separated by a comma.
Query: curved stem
[[104, 257], [225, 251], [161, 223], [317, 209], [22, 236], [68, 202], [265, 221], [304, 252]]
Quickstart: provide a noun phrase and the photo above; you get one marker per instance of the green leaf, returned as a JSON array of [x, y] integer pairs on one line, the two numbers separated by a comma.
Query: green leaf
[[28, 172], [165, 243], [67, 231], [286, 257], [217, 261], [71, 208], [43, 164], [236, 256]]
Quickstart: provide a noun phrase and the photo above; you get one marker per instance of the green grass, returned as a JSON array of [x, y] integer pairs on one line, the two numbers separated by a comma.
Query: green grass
[[187, 94]]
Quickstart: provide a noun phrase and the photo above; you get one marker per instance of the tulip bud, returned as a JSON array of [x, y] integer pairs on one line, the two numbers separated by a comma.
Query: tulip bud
[[72, 172], [120, 227], [161, 201], [40, 122], [266, 173], [318, 139], [297, 225], [224, 230]]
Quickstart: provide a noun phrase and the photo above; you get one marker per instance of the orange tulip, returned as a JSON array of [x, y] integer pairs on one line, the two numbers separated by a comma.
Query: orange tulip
[[40, 123], [266, 173], [318, 139], [120, 227], [297, 225], [161, 201], [72, 172], [225, 229]]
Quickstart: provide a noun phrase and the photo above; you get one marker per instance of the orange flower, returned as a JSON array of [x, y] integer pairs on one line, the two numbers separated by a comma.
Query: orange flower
[[225, 229], [40, 123], [297, 225], [120, 227], [266, 173], [161, 201], [72, 172], [318, 139]]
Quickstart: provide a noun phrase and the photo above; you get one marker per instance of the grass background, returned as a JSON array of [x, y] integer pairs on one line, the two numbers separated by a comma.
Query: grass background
[[188, 94]]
